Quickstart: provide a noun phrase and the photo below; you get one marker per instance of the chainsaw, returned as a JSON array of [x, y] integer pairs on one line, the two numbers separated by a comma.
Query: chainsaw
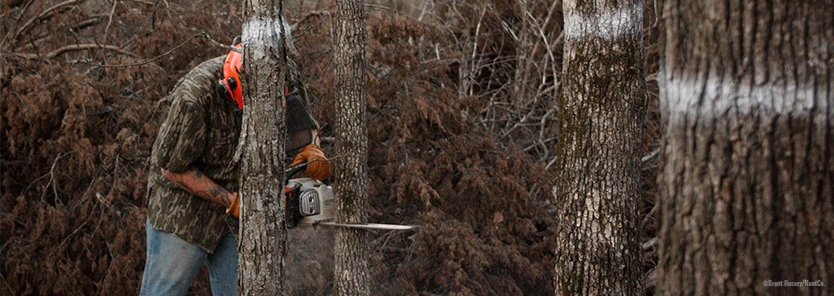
[[311, 202]]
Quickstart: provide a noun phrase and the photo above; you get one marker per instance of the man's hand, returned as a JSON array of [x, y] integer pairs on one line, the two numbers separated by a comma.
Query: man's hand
[[234, 208], [319, 167]]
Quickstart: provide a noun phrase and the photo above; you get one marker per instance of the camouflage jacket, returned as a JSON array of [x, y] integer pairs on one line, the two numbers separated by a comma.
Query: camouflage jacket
[[199, 131]]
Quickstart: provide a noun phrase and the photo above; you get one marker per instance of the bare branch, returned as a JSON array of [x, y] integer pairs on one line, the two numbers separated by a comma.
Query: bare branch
[[52, 177], [42, 15], [86, 23], [73, 47], [215, 42], [651, 155], [201, 35], [17, 20], [109, 21], [650, 244]]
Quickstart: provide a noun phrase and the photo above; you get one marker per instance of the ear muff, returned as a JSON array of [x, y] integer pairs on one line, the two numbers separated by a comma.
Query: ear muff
[[231, 70], [222, 90]]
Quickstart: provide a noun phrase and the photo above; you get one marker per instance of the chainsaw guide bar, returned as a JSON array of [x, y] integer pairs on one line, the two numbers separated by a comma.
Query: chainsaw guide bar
[[312, 203], [373, 226]]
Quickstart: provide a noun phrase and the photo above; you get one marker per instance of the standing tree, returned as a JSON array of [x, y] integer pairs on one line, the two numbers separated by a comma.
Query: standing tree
[[263, 232], [351, 273], [602, 108], [747, 186]]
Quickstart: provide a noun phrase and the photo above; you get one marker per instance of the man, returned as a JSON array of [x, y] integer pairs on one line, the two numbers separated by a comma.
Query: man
[[193, 202]]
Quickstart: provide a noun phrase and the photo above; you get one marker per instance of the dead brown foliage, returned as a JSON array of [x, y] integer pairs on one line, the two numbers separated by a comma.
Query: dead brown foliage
[[461, 134], [76, 133], [484, 232]]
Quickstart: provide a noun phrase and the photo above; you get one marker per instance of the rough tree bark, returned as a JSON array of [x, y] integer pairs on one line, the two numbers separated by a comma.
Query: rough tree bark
[[602, 108], [351, 272], [263, 232], [746, 186]]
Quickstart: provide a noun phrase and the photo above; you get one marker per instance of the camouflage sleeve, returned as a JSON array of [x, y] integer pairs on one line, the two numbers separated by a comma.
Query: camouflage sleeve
[[182, 137]]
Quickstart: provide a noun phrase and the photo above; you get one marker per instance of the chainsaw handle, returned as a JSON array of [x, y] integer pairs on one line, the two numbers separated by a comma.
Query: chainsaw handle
[[290, 172]]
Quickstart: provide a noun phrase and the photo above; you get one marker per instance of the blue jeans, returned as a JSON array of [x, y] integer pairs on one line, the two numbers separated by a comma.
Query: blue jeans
[[172, 263]]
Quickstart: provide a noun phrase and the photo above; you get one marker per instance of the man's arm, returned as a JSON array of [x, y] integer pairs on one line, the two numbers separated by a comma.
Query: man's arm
[[194, 181]]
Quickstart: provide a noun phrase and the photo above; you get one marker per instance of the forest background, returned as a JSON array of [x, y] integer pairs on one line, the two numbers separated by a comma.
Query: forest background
[[462, 126]]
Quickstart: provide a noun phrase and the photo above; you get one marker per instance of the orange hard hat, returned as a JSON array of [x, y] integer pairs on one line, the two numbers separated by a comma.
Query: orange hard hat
[[231, 69], [231, 79]]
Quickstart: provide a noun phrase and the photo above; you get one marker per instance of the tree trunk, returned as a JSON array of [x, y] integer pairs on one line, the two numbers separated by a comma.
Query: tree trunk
[[351, 272], [263, 230], [602, 109], [746, 186]]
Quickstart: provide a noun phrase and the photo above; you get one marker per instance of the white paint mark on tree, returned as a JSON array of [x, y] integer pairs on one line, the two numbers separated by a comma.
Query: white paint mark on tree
[[608, 23], [710, 96], [253, 27]]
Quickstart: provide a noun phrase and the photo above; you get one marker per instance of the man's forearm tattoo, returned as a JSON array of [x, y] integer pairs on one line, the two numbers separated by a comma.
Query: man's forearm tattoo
[[220, 193], [201, 186]]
